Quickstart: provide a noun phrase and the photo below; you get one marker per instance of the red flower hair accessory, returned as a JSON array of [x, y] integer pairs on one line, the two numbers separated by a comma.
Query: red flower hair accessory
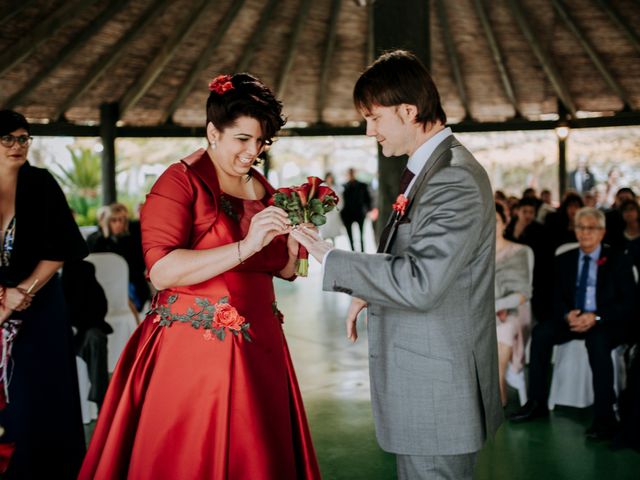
[[221, 84], [400, 204]]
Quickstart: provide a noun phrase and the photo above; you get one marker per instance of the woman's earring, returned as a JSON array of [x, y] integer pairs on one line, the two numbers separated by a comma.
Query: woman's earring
[[213, 144]]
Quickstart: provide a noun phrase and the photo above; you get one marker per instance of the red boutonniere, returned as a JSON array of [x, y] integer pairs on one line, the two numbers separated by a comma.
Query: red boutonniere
[[400, 205], [221, 84], [601, 261]]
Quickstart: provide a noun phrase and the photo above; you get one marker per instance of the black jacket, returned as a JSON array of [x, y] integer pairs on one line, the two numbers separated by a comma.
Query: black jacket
[[45, 228], [615, 288]]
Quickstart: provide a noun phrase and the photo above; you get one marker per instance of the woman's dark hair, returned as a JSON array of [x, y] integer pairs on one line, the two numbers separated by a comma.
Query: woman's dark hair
[[11, 121], [395, 78], [571, 198], [249, 97], [500, 211], [630, 204]]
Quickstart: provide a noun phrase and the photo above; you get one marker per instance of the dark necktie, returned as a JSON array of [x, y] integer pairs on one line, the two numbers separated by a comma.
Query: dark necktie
[[581, 290], [405, 180]]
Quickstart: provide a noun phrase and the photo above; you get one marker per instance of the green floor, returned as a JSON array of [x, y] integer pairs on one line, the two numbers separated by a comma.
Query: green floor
[[333, 377], [334, 380]]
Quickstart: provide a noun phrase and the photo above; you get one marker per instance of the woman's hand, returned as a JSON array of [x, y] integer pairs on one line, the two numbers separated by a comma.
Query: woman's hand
[[265, 226], [16, 299], [293, 245]]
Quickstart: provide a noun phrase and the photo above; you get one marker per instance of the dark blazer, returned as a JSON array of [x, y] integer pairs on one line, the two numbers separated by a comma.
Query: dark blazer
[[615, 288], [86, 301], [588, 181], [45, 228], [356, 200]]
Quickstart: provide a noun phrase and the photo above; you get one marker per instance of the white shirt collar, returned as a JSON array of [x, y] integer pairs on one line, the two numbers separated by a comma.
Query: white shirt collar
[[418, 160]]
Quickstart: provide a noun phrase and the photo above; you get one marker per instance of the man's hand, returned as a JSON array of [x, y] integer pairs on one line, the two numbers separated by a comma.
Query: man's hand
[[357, 305], [585, 321], [572, 318], [316, 246]]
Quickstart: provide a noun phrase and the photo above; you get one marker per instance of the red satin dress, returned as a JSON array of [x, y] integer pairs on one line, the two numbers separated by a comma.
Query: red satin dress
[[182, 403]]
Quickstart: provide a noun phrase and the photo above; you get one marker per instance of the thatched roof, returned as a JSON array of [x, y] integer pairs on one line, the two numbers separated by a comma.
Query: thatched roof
[[62, 59]]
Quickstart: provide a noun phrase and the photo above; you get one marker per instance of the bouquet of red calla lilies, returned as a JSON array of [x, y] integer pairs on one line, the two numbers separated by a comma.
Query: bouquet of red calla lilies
[[307, 203]]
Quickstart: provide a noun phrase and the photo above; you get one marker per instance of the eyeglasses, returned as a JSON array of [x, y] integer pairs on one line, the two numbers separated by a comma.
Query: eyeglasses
[[584, 228], [9, 140]]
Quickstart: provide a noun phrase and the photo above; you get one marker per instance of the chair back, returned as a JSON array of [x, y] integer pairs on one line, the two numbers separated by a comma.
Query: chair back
[[565, 247], [112, 272]]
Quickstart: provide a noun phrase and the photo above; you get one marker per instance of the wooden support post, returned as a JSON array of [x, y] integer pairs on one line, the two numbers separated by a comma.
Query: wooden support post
[[109, 113], [406, 28]]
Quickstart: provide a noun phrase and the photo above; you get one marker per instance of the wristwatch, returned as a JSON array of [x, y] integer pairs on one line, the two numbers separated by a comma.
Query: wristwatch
[[598, 318]]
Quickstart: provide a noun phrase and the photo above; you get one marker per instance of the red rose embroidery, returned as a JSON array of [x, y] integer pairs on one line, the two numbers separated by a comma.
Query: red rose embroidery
[[221, 84], [228, 316], [400, 204]]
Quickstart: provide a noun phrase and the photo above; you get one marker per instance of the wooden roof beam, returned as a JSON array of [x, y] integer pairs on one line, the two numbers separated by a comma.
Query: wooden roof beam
[[329, 47], [497, 56], [558, 84], [258, 32], [453, 56], [161, 58], [36, 36], [67, 52], [204, 59], [115, 53], [283, 76], [621, 23], [13, 10], [593, 55]]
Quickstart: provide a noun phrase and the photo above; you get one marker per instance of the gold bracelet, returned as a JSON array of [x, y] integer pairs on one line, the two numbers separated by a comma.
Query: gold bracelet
[[239, 256]]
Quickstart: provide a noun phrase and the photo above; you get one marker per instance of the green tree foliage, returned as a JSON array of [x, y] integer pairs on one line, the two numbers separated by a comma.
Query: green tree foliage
[[81, 182]]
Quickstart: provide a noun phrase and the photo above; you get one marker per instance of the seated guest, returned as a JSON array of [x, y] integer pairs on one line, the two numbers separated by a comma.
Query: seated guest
[[526, 230], [87, 307], [113, 236], [615, 222], [545, 206], [629, 434], [523, 227], [594, 301], [559, 224], [512, 290]]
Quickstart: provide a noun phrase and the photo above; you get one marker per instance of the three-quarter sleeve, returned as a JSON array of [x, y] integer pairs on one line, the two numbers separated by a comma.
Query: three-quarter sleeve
[[166, 218]]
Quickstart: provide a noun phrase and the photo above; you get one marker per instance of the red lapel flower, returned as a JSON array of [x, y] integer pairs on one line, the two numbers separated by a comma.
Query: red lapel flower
[[601, 261], [400, 205]]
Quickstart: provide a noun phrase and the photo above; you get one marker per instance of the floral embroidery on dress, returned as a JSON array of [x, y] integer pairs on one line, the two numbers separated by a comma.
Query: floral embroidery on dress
[[214, 318]]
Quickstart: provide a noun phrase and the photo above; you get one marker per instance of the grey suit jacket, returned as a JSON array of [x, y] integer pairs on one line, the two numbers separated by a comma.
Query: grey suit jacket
[[432, 332]]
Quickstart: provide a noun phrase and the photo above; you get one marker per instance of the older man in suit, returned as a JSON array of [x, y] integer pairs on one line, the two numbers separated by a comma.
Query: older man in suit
[[594, 301], [430, 289]]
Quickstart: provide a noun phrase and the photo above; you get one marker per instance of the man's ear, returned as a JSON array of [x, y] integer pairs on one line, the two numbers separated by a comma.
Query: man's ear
[[408, 112], [213, 134]]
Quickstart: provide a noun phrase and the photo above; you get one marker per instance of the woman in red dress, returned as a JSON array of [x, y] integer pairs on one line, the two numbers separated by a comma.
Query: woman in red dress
[[205, 388]]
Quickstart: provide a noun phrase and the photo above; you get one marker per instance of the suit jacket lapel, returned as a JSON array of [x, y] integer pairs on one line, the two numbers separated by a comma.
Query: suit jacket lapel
[[433, 165]]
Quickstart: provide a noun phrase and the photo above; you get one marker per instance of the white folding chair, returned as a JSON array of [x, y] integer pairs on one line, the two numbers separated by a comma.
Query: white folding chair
[[112, 273]]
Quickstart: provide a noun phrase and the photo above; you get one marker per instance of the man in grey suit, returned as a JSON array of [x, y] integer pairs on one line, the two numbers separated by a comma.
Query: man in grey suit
[[430, 288]]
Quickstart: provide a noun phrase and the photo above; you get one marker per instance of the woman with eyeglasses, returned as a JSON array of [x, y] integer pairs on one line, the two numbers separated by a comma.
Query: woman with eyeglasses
[[39, 393]]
